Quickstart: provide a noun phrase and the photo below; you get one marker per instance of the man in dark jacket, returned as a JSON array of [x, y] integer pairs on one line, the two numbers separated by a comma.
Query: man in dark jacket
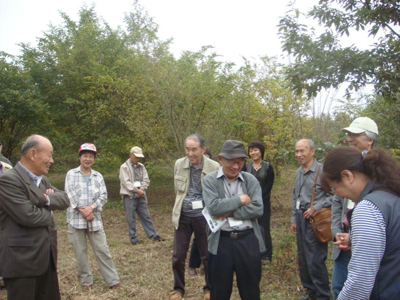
[[28, 238]]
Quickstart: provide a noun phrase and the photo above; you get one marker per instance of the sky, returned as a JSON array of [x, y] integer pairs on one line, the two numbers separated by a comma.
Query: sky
[[235, 28]]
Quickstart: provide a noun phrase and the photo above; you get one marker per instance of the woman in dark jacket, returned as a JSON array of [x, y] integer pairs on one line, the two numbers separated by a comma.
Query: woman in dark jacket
[[264, 172]]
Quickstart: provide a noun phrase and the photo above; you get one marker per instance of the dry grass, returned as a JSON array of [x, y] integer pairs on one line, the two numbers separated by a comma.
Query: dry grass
[[145, 269]]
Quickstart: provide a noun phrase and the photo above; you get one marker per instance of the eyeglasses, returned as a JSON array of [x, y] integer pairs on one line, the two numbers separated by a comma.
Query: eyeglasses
[[354, 135], [231, 163]]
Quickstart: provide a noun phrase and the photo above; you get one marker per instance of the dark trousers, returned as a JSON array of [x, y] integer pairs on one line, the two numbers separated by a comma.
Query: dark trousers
[[42, 287], [194, 258], [242, 256], [265, 222], [311, 258], [182, 237]]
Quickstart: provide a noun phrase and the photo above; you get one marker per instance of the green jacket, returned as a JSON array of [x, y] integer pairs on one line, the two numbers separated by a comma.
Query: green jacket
[[182, 180], [217, 204]]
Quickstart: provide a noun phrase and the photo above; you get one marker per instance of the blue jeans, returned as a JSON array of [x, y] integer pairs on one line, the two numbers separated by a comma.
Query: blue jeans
[[339, 273]]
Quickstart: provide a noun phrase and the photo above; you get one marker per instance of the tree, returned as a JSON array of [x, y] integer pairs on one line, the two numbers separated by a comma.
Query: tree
[[22, 110], [76, 70], [285, 119], [194, 93], [321, 62], [386, 115]]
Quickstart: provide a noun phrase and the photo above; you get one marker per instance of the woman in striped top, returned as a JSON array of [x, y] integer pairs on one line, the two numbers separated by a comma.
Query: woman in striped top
[[372, 181]]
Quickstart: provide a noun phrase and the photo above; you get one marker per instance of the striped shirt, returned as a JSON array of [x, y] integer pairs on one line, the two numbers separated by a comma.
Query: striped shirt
[[138, 175], [83, 194], [195, 192], [368, 243]]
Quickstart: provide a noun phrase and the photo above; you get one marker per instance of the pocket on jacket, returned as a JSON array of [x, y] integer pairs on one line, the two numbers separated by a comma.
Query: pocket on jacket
[[78, 190], [180, 183]]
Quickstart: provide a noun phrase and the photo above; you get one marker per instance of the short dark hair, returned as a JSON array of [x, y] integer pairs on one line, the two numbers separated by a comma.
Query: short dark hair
[[196, 137], [208, 152], [258, 145], [87, 151]]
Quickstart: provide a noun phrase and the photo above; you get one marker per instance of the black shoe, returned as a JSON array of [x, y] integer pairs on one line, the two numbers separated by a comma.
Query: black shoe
[[158, 238], [135, 242]]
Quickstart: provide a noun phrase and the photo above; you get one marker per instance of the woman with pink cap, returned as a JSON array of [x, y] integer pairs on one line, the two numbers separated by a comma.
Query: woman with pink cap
[[87, 192]]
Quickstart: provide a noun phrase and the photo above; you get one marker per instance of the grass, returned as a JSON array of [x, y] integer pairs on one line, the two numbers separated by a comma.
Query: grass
[[145, 269]]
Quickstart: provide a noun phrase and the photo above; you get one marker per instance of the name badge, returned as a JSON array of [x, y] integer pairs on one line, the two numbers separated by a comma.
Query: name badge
[[136, 184], [197, 204], [350, 204], [234, 222], [297, 204]]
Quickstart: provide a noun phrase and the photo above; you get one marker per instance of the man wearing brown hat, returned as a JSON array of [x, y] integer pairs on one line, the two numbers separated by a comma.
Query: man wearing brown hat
[[234, 197], [134, 184]]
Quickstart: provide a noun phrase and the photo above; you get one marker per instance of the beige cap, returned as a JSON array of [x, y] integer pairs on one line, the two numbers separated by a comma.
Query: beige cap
[[137, 152], [361, 125]]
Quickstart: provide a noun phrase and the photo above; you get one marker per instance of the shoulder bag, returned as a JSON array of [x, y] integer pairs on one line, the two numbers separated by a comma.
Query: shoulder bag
[[322, 219]]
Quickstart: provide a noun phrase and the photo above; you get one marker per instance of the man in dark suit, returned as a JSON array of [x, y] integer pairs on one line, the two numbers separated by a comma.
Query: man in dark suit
[[28, 236]]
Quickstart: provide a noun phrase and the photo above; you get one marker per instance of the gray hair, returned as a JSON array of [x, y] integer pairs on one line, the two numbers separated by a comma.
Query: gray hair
[[372, 136], [310, 143], [196, 137], [32, 142]]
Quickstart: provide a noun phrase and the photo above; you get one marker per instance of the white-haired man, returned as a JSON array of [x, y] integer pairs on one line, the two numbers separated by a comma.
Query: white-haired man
[[311, 253]]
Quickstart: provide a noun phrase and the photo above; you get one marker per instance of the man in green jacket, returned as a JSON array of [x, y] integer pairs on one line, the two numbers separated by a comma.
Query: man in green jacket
[[235, 244], [187, 214]]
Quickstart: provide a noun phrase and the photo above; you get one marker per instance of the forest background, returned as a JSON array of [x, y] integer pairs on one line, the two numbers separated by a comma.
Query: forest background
[[88, 82]]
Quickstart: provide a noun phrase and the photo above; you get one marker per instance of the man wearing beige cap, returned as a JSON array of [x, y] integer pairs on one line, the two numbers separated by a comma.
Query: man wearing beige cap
[[362, 134], [134, 184]]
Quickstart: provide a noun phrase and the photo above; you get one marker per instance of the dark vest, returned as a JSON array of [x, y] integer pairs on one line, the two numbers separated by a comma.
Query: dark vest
[[387, 282]]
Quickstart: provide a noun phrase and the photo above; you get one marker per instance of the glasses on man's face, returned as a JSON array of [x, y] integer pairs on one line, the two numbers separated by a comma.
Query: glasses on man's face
[[354, 135], [231, 162]]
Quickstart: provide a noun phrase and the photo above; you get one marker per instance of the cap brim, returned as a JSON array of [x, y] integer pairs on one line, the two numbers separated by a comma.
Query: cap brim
[[87, 150], [139, 155], [232, 156], [353, 130]]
